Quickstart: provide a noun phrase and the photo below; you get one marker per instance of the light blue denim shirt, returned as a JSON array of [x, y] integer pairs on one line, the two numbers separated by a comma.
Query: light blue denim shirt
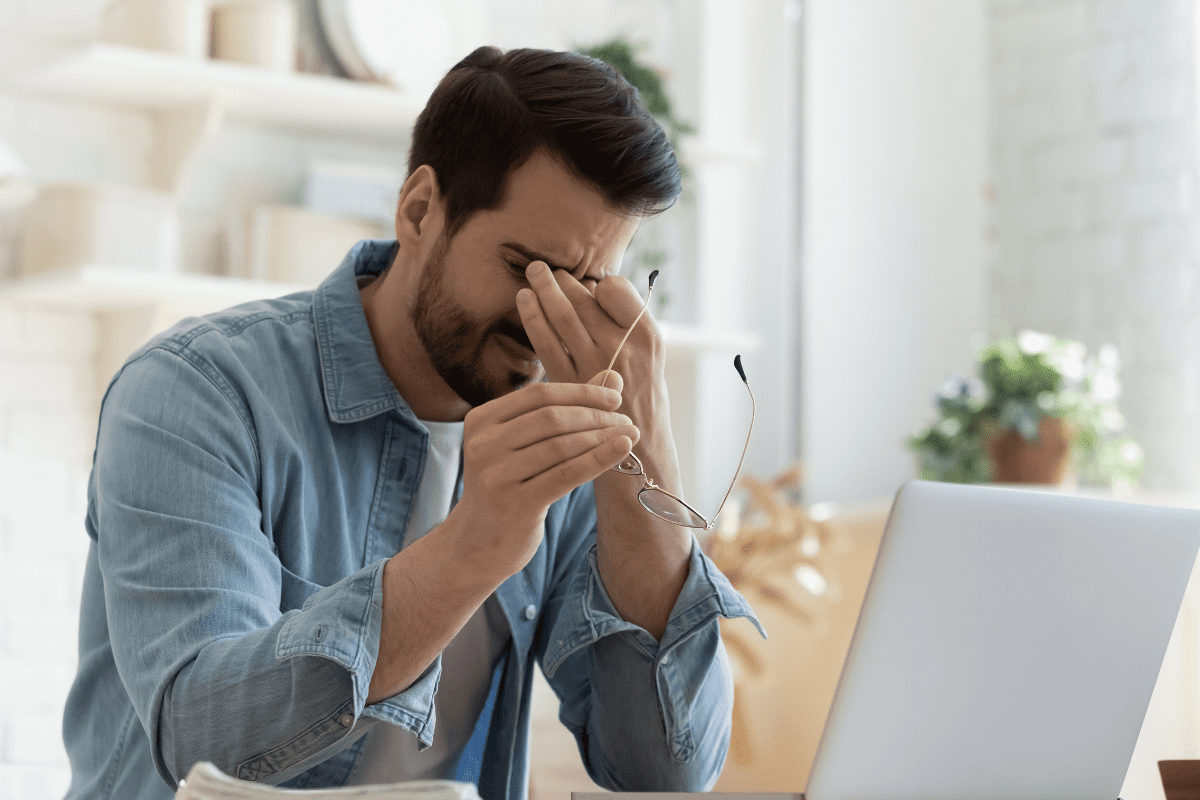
[[254, 470]]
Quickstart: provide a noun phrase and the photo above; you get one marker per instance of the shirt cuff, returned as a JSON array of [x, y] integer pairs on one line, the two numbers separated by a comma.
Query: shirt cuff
[[590, 614], [342, 623]]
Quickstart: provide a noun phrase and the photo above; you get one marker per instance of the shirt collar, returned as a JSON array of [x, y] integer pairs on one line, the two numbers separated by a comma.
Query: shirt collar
[[355, 384]]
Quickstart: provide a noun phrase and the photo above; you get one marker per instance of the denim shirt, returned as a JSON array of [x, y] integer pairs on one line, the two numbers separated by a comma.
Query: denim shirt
[[254, 470]]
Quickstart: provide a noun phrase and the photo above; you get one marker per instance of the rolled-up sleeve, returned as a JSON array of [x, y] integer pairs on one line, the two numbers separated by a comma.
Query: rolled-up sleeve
[[216, 670], [648, 715]]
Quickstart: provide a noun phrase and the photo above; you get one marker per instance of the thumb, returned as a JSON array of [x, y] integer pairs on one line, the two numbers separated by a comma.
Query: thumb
[[609, 378]]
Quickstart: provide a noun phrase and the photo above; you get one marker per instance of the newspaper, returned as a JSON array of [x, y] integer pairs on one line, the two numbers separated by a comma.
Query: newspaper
[[206, 782]]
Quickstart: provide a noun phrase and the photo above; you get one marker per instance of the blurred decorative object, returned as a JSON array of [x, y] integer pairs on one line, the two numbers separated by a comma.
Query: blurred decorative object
[[622, 56], [364, 191], [73, 224], [173, 26], [313, 53], [1043, 459], [261, 33], [293, 245], [777, 554], [364, 36], [16, 189], [1039, 408]]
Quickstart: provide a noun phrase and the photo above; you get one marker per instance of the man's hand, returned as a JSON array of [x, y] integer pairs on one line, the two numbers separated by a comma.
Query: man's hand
[[575, 333], [643, 560], [523, 451], [575, 330]]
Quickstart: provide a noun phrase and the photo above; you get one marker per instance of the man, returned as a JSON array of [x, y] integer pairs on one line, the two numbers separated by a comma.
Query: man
[[326, 528]]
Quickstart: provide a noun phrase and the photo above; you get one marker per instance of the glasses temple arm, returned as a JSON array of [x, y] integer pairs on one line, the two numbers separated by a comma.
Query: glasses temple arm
[[653, 275], [737, 363]]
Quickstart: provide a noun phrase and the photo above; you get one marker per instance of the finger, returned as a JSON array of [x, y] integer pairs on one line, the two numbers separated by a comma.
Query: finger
[[547, 423], [554, 357], [562, 478], [609, 378], [558, 309], [541, 395], [550, 453], [618, 298], [593, 317]]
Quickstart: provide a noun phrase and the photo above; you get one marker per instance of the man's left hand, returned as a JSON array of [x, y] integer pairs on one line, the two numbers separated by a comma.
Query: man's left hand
[[575, 333]]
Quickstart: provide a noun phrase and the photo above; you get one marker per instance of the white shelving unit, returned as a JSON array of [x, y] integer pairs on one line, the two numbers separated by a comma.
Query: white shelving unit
[[191, 98], [147, 79], [98, 286]]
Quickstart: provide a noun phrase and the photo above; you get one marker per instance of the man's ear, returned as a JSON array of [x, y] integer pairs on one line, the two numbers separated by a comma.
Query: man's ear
[[419, 209]]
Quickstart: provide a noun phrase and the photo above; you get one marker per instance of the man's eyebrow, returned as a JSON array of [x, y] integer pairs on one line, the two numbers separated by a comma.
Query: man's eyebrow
[[532, 255]]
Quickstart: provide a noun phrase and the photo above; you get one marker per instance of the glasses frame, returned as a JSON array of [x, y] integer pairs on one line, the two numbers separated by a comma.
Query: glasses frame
[[637, 469]]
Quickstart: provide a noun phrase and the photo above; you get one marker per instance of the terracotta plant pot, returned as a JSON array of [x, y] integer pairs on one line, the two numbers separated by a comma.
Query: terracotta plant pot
[[1015, 460]]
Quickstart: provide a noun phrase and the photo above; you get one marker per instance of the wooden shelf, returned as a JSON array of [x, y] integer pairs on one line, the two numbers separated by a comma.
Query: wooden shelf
[[149, 80]]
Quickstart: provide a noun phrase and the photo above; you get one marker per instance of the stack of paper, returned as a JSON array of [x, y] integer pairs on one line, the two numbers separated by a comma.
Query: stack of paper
[[206, 782]]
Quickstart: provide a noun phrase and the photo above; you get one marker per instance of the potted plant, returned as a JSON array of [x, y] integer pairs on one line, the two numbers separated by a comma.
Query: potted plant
[[1038, 409]]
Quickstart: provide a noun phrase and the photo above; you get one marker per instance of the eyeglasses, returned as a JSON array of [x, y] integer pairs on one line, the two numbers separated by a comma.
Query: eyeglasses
[[655, 499]]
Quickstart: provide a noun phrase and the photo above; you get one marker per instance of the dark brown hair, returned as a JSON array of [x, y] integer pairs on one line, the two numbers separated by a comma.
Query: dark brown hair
[[495, 109]]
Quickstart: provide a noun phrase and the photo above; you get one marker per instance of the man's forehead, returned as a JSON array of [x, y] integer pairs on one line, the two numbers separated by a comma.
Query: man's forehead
[[601, 250]]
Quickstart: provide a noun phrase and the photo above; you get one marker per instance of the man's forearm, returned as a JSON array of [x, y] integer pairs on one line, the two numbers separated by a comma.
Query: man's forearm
[[428, 597], [643, 560]]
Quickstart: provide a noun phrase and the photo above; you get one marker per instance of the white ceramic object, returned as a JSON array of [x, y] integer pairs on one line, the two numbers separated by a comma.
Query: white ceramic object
[[410, 44], [260, 33], [180, 27], [73, 224]]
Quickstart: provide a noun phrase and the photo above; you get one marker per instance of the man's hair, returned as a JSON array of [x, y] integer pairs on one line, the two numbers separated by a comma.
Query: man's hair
[[495, 109]]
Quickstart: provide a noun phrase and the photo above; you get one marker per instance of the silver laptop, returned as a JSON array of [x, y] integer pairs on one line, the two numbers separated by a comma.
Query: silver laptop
[[1007, 646]]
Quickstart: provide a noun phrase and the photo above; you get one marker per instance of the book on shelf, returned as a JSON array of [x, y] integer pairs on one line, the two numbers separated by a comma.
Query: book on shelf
[[206, 782]]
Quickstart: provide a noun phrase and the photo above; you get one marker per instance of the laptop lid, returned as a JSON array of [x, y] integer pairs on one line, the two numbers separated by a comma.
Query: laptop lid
[[1007, 646]]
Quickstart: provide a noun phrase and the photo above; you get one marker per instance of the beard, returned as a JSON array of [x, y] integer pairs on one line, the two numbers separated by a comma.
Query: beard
[[455, 343]]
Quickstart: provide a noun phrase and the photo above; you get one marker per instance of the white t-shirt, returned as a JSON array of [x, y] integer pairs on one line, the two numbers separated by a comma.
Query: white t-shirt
[[391, 752]]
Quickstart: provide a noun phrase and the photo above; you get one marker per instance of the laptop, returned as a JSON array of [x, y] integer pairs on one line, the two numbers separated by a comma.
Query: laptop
[[1007, 646]]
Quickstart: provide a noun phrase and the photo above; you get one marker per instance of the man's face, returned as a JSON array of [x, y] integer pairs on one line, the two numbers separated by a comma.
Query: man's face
[[465, 309]]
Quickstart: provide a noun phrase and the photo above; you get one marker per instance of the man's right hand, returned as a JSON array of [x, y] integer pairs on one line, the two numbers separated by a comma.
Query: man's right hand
[[523, 451]]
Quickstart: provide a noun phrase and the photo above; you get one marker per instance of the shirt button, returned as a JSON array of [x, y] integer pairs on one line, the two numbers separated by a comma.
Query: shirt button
[[346, 720], [665, 659], [530, 612]]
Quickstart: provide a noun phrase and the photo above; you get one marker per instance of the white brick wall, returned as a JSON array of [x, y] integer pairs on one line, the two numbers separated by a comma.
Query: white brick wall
[[45, 424], [1094, 160]]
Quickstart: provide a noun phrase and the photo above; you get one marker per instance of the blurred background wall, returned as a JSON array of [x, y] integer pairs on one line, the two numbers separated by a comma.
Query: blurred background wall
[[1094, 217], [894, 175]]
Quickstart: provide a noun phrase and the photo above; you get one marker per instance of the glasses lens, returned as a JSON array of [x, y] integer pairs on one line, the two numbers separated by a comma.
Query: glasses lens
[[666, 507], [630, 466]]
